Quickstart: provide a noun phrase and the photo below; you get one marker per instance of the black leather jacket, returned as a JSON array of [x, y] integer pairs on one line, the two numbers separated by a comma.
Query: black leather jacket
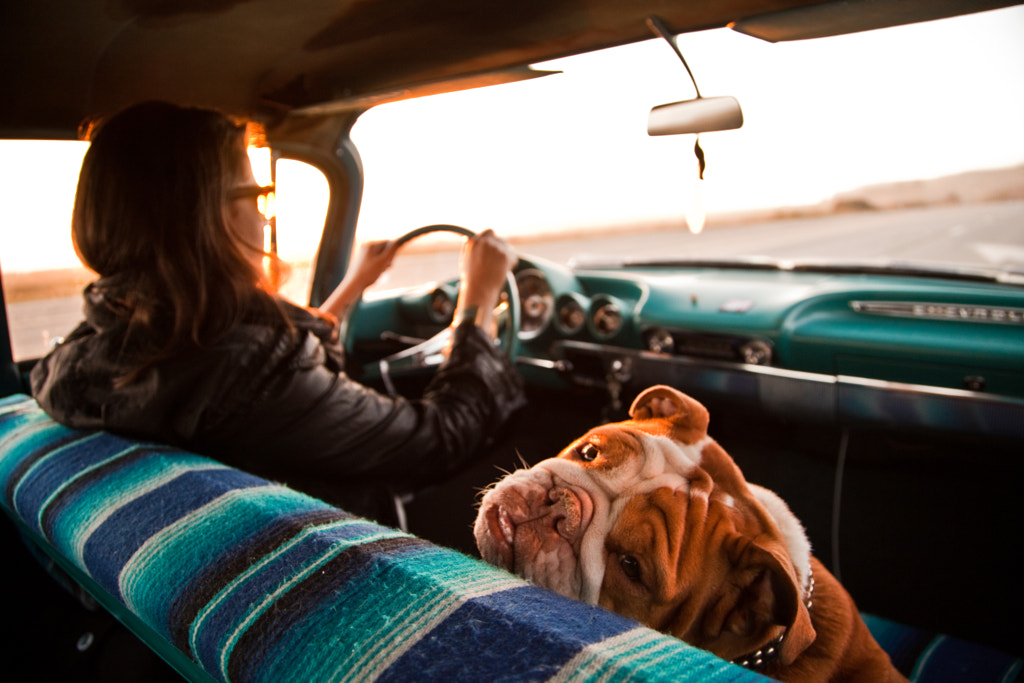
[[279, 405]]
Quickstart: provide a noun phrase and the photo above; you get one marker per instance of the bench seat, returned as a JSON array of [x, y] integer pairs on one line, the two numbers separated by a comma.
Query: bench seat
[[230, 577]]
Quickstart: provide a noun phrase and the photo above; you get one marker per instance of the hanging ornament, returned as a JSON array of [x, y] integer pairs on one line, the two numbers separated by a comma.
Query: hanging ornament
[[700, 158], [696, 215]]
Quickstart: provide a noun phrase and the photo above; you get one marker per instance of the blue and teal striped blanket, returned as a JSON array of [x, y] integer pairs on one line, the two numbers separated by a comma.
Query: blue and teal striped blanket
[[234, 578]]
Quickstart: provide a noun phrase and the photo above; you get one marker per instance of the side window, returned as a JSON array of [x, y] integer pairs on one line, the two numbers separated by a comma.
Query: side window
[[42, 276], [301, 207]]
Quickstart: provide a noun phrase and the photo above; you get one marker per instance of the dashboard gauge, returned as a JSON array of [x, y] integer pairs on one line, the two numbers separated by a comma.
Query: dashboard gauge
[[536, 302], [606, 318], [442, 304], [571, 315]]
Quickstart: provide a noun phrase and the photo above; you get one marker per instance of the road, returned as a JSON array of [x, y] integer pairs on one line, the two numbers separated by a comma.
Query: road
[[984, 235]]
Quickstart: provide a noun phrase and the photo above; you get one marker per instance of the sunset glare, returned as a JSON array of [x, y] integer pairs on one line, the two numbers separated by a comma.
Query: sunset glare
[[821, 117]]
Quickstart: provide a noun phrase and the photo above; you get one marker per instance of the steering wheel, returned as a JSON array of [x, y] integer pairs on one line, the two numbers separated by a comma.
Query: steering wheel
[[429, 353]]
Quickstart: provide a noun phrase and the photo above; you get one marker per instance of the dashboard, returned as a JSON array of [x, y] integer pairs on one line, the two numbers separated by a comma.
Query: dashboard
[[884, 349]]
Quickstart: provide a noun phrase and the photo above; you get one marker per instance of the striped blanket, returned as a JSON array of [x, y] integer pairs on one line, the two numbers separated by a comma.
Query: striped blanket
[[233, 578]]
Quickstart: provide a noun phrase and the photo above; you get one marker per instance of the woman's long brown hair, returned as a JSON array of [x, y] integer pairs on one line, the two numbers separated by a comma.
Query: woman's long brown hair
[[149, 212]]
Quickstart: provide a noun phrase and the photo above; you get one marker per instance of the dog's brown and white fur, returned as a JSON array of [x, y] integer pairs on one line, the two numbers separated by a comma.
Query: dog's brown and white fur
[[652, 519]]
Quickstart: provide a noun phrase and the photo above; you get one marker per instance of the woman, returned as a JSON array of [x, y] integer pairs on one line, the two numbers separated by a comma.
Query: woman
[[184, 343]]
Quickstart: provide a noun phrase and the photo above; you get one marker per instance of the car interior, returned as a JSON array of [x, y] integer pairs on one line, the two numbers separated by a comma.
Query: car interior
[[883, 403]]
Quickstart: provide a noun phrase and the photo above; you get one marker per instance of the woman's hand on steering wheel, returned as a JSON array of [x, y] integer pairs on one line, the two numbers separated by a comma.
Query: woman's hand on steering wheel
[[373, 260], [486, 269], [486, 261], [370, 263]]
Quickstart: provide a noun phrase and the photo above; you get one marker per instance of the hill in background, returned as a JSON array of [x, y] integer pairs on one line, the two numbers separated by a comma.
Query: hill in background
[[992, 185], [962, 188]]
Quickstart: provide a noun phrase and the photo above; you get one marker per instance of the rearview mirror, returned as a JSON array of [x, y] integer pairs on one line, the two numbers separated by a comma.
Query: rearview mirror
[[702, 115]]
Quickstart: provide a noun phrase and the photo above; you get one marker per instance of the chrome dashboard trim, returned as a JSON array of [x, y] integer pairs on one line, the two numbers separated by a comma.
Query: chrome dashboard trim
[[840, 399], [896, 404], [926, 310]]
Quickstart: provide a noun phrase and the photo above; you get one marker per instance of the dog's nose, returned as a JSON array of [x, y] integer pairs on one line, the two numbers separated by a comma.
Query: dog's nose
[[566, 512]]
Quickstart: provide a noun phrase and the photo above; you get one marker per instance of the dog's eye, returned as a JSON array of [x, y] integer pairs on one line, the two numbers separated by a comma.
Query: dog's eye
[[588, 452], [630, 567]]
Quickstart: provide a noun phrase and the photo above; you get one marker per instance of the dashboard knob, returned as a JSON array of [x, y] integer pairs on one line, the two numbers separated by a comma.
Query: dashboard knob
[[661, 341], [756, 352]]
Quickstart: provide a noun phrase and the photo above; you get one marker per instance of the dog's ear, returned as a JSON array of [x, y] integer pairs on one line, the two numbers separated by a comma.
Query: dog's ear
[[769, 598], [662, 401]]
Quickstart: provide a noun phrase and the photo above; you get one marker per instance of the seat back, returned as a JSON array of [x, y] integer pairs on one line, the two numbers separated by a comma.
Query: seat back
[[230, 577]]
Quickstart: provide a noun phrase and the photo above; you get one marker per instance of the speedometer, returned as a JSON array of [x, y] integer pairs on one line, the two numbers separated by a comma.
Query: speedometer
[[536, 301]]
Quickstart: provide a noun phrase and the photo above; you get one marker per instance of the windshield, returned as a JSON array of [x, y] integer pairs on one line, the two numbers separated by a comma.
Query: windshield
[[896, 146]]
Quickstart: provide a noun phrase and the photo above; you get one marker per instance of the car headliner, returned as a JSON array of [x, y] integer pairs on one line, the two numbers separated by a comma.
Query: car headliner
[[65, 60]]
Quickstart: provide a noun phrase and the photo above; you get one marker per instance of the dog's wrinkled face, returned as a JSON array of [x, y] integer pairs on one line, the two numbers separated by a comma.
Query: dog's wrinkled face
[[652, 519]]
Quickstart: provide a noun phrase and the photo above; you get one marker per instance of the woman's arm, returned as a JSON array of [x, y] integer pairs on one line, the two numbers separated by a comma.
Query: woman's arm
[[372, 260], [486, 259]]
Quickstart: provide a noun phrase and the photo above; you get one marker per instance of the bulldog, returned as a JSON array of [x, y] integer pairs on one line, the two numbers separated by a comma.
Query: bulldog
[[652, 519]]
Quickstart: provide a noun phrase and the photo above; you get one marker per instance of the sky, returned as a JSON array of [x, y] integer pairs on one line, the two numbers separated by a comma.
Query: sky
[[571, 150], [820, 116]]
